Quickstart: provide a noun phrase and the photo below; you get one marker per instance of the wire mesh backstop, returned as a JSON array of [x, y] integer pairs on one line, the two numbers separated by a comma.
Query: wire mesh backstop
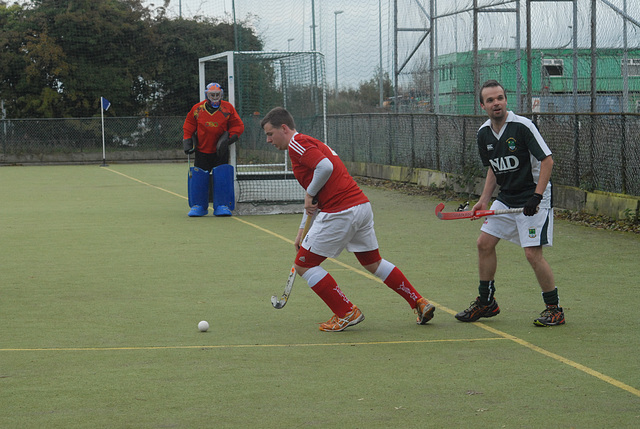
[[591, 151]]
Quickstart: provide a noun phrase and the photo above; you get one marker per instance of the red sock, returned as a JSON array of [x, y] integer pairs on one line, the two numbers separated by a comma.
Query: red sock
[[327, 289], [399, 283]]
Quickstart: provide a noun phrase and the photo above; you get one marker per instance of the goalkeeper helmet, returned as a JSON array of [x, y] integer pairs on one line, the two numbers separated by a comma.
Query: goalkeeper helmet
[[214, 93]]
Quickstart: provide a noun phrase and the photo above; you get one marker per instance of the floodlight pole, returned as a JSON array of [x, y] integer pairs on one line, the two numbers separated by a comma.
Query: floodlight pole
[[335, 15], [380, 82], [235, 26]]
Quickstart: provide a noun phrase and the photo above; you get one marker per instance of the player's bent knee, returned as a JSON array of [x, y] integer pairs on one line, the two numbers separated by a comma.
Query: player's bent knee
[[486, 242], [533, 254], [314, 275], [368, 258], [300, 270], [308, 259]]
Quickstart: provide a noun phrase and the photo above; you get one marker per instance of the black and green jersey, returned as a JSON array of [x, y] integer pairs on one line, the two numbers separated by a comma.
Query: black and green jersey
[[514, 155]]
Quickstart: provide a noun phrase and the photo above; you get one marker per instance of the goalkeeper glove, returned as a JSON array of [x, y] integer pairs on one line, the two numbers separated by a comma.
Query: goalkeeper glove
[[190, 145], [224, 141]]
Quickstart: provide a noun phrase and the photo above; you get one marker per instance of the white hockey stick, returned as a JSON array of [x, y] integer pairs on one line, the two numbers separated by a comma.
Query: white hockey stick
[[279, 303]]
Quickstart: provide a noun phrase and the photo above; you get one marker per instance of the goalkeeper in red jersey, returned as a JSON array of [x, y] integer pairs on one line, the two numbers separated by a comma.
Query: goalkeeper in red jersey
[[209, 128], [343, 220]]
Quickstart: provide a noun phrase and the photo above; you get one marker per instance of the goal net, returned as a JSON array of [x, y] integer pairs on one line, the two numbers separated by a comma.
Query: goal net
[[256, 82]]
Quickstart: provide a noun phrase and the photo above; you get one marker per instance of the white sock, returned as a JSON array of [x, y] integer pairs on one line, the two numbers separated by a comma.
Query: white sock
[[314, 275], [384, 269]]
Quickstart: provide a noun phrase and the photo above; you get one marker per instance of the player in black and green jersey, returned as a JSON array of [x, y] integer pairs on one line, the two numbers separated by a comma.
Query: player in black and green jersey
[[520, 163]]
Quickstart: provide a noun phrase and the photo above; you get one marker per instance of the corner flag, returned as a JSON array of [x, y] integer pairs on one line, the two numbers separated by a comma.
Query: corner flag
[[105, 103]]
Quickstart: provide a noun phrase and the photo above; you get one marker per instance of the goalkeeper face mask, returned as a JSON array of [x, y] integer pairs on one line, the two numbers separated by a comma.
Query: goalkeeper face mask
[[214, 94]]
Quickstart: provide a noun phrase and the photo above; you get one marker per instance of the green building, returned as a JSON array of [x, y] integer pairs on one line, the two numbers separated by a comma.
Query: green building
[[552, 79]]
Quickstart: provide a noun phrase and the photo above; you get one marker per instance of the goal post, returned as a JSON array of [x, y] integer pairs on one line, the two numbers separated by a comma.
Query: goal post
[[255, 82]]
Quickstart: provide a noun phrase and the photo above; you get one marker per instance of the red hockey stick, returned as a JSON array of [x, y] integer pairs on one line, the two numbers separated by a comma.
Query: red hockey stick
[[470, 214]]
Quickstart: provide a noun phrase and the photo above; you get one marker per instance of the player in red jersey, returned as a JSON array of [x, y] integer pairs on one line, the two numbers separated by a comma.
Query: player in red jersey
[[209, 128], [210, 119], [343, 220]]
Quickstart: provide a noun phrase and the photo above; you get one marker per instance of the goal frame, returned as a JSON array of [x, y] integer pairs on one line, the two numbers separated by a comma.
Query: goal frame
[[230, 58], [231, 87]]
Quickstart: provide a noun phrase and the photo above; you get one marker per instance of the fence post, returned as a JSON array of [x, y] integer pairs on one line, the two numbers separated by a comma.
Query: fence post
[[4, 137], [623, 151], [592, 141], [370, 138], [437, 141], [353, 138], [576, 148], [391, 134], [464, 143], [413, 143]]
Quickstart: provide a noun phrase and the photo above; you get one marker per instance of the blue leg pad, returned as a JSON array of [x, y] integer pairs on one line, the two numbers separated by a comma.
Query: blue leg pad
[[224, 199], [190, 186], [198, 191]]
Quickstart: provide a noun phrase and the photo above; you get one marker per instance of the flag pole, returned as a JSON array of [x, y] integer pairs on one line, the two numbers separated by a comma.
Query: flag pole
[[104, 163]]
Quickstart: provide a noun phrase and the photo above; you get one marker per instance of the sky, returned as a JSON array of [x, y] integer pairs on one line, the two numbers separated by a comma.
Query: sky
[[285, 25]]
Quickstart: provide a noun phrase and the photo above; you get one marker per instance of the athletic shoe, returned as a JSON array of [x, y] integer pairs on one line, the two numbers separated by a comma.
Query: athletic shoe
[[551, 316], [221, 211], [337, 324], [477, 310], [425, 311], [198, 211]]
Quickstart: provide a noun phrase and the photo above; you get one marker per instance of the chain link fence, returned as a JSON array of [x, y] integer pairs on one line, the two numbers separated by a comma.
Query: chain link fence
[[72, 139], [590, 151]]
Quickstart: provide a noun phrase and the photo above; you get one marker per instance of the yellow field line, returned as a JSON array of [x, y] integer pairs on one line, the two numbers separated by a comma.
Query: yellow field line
[[145, 183], [564, 360], [547, 353], [335, 261], [248, 346], [263, 229], [364, 273]]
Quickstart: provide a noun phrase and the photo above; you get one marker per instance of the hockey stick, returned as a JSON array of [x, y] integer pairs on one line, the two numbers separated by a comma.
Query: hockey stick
[[471, 214], [279, 303]]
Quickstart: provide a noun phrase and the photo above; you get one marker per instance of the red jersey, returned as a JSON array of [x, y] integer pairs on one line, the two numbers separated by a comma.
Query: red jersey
[[211, 126], [341, 191]]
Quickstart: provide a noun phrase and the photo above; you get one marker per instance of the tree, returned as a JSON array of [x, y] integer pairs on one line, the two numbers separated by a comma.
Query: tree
[[370, 90], [182, 42], [364, 99], [60, 56], [30, 65]]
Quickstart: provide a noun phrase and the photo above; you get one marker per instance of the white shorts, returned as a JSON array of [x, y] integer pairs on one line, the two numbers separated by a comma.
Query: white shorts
[[352, 229], [525, 231]]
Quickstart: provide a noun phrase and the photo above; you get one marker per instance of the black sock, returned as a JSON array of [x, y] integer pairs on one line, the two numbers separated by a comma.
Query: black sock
[[486, 291], [551, 298]]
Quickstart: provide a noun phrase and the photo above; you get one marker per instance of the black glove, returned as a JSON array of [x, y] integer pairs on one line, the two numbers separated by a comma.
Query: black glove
[[190, 145], [187, 145], [531, 206], [222, 148]]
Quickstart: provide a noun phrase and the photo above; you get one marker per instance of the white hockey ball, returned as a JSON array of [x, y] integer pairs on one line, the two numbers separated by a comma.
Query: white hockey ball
[[203, 326]]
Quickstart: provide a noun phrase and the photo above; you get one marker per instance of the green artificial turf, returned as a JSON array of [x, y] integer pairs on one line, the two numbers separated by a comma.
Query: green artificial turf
[[103, 280]]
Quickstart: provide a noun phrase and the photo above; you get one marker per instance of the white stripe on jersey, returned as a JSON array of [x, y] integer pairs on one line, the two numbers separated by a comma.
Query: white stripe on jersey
[[512, 117], [297, 147]]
